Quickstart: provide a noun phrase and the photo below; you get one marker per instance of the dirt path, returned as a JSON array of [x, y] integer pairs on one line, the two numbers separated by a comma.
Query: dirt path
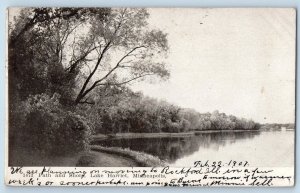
[[101, 159]]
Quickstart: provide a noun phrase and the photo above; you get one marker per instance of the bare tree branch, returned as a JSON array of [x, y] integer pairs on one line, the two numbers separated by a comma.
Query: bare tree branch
[[84, 93], [132, 79], [81, 95], [73, 66], [118, 63], [111, 84]]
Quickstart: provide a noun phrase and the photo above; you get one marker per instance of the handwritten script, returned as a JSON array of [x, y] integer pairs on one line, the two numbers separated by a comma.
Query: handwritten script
[[203, 173]]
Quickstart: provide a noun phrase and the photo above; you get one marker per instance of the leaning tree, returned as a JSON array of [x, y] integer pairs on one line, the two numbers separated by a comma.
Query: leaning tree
[[118, 50], [72, 51]]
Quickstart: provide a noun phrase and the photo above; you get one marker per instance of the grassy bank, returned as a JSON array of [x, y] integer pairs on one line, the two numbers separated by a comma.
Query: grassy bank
[[142, 159]]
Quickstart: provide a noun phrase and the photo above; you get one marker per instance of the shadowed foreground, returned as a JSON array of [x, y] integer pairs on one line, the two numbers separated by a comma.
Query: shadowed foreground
[[100, 159], [83, 159]]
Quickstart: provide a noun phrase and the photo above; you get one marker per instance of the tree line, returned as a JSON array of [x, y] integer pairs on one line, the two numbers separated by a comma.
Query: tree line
[[134, 112]]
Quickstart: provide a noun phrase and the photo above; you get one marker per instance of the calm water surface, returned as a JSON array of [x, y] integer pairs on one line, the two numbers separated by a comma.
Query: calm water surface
[[259, 148]]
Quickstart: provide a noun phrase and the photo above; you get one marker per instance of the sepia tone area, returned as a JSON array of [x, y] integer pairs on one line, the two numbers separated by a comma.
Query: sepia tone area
[[107, 87]]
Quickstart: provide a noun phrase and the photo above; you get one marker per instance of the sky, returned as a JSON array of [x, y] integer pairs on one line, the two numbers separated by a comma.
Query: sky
[[237, 61]]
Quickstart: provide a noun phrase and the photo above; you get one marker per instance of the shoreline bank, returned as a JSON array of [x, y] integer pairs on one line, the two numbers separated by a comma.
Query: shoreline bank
[[140, 158]]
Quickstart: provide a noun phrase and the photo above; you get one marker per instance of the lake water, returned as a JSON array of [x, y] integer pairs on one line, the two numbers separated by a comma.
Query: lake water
[[259, 148]]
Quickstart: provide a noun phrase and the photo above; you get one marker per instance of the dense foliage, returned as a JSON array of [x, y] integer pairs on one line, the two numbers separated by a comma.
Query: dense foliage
[[47, 129], [126, 111]]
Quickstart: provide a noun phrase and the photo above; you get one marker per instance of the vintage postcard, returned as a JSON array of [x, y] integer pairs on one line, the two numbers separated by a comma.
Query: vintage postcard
[[150, 96]]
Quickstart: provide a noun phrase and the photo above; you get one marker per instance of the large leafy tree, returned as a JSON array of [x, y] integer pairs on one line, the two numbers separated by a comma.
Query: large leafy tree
[[123, 49], [72, 51]]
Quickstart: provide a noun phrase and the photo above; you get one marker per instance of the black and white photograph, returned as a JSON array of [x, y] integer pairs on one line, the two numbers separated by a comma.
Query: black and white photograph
[[151, 87]]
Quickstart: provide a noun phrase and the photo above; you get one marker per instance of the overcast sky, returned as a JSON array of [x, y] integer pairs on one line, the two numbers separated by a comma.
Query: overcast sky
[[239, 61]]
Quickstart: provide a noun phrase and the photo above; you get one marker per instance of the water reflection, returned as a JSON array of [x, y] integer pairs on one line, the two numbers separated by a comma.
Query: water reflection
[[174, 148]]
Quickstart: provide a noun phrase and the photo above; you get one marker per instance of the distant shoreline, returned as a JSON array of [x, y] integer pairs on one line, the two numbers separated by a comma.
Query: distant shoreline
[[161, 135]]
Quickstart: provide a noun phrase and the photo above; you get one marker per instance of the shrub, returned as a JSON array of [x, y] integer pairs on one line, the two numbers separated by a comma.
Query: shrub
[[51, 130]]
